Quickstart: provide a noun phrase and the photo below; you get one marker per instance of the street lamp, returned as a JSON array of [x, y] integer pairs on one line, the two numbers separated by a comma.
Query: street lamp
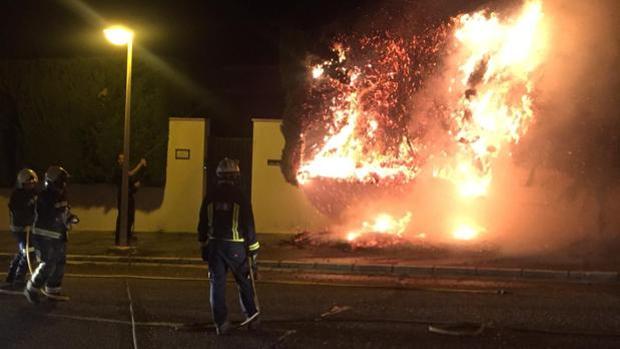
[[119, 35]]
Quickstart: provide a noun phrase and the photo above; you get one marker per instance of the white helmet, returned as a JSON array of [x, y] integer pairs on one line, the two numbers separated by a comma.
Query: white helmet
[[26, 176], [228, 168]]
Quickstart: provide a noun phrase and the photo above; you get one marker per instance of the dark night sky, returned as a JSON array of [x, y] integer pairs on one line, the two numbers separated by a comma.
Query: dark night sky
[[231, 48], [229, 32]]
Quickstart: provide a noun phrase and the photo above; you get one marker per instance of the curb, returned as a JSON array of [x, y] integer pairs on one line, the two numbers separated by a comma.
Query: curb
[[447, 271], [402, 270], [500, 272]]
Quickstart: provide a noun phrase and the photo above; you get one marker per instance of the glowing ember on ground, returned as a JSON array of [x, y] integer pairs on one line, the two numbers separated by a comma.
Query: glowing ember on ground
[[382, 224], [359, 130], [465, 232]]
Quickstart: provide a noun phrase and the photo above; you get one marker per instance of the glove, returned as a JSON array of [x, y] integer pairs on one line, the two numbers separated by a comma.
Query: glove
[[204, 251], [73, 219]]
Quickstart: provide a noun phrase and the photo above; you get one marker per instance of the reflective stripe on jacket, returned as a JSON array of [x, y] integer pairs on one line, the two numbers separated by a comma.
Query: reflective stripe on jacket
[[47, 233], [226, 214]]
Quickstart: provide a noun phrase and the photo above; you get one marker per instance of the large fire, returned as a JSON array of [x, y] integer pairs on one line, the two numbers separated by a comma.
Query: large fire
[[363, 133]]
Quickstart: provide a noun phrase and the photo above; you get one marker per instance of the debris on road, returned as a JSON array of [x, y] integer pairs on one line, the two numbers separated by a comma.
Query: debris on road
[[458, 329], [336, 309], [283, 337]]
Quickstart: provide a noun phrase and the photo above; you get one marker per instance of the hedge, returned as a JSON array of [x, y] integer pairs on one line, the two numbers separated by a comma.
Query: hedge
[[71, 111]]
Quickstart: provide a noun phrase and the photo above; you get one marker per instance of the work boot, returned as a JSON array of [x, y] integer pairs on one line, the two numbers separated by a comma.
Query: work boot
[[223, 328], [54, 294], [57, 297], [32, 293], [10, 275], [254, 325], [19, 281], [253, 322]]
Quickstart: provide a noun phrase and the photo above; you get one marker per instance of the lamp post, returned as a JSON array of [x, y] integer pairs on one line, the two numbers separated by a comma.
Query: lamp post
[[119, 35]]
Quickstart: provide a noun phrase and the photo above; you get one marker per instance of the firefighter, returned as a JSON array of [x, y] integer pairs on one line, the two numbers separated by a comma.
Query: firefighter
[[21, 215], [228, 242], [49, 235]]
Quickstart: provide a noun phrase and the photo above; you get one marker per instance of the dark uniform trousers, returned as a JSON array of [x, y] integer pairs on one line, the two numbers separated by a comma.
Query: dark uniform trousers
[[19, 264], [131, 217], [51, 269], [223, 256]]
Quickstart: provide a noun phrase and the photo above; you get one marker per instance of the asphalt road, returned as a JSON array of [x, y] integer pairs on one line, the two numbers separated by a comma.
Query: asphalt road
[[304, 311]]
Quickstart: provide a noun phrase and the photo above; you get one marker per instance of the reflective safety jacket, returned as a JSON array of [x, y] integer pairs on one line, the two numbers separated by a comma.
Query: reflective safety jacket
[[21, 209], [52, 215], [226, 214]]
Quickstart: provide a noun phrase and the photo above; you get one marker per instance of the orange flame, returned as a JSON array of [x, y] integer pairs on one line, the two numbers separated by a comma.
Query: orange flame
[[495, 109]]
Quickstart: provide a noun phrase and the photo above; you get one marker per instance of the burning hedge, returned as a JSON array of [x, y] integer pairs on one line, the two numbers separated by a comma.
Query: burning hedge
[[384, 110]]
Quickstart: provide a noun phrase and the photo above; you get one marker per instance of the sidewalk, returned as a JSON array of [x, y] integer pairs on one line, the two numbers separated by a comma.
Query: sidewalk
[[278, 252]]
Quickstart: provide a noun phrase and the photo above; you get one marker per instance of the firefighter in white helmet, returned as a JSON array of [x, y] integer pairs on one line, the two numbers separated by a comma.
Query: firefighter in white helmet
[[228, 240], [21, 215], [49, 235]]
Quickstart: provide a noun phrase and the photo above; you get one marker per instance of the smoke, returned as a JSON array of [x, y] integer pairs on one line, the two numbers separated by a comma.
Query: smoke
[[581, 77], [569, 163]]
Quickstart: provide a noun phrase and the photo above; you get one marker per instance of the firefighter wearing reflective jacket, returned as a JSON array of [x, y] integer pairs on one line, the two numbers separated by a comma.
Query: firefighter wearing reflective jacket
[[228, 240], [21, 215], [49, 236]]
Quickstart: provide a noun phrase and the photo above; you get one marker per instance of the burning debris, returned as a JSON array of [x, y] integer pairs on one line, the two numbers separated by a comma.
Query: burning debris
[[373, 246], [365, 241], [364, 127], [336, 309], [310, 239], [382, 224]]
